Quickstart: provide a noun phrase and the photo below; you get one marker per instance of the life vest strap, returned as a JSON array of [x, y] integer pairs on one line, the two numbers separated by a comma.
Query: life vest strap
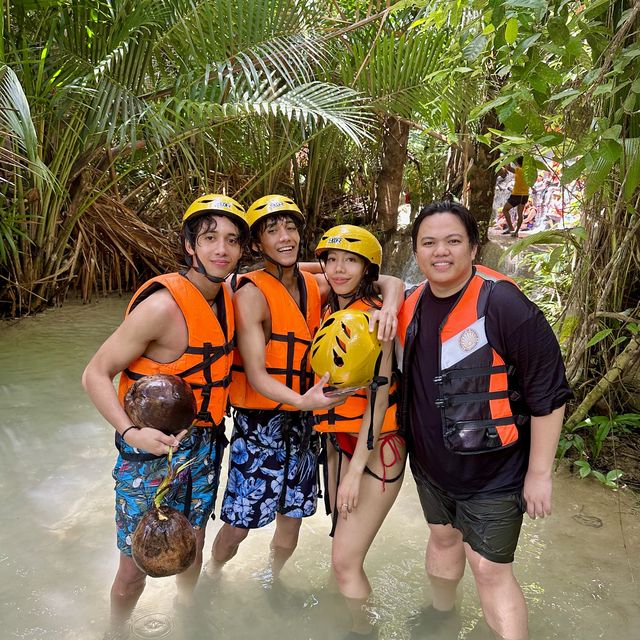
[[466, 398], [210, 355], [132, 375], [377, 382], [290, 338], [220, 351], [332, 417], [454, 374], [223, 382]]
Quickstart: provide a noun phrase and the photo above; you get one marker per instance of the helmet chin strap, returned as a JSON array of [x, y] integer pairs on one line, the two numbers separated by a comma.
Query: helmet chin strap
[[200, 269], [280, 268]]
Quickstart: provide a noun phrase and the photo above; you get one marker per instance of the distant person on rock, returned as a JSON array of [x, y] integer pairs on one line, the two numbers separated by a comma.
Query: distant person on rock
[[518, 198]]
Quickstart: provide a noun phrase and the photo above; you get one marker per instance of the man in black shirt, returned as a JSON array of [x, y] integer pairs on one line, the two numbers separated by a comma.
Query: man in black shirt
[[483, 404]]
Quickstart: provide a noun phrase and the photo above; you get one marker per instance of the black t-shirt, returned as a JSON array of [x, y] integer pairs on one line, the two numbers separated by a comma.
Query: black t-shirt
[[519, 332]]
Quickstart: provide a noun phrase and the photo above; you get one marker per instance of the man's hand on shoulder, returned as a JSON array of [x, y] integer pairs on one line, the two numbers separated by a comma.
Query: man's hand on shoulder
[[387, 322]]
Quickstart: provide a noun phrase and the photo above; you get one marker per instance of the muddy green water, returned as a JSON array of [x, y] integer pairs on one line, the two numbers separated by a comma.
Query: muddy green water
[[579, 569]]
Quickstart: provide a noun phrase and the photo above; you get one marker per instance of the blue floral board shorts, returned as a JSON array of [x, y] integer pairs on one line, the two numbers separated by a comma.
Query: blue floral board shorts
[[273, 468], [137, 481]]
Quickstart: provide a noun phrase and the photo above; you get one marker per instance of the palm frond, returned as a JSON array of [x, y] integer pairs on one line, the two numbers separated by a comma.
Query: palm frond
[[400, 71], [17, 129]]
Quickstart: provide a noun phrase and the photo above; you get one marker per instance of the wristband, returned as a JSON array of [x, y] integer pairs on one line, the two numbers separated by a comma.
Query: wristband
[[133, 426]]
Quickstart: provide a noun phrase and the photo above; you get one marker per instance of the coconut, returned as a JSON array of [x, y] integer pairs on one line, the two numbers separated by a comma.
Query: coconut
[[161, 401], [163, 543]]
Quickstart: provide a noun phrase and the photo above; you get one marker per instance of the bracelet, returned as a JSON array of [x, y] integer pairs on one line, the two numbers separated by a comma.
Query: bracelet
[[133, 426]]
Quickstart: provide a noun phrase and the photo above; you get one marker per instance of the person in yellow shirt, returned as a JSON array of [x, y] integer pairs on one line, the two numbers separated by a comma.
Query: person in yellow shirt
[[518, 198]]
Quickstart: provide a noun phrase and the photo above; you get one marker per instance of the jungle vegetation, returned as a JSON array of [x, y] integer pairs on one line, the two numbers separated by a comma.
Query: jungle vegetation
[[115, 114]]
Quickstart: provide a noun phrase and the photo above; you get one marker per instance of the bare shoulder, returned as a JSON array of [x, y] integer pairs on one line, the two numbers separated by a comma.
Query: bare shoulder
[[249, 295], [159, 313], [250, 305]]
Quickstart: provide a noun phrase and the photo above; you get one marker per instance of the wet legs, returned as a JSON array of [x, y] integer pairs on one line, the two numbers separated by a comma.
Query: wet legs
[[225, 546], [186, 581], [506, 212], [520, 218], [500, 595], [126, 590], [283, 544], [353, 537], [445, 563]]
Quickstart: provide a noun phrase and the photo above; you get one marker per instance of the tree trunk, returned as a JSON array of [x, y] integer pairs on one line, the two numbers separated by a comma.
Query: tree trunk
[[480, 179], [395, 136]]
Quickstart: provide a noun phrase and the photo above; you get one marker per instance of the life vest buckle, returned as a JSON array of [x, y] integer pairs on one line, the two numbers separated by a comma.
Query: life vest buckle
[[442, 402], [441, 378]]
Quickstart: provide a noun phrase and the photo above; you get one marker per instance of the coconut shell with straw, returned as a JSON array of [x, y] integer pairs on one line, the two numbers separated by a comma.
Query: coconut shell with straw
[[164, 542]]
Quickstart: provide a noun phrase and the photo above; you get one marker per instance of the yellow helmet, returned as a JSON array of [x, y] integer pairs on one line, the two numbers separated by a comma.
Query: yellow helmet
[[217, 203], [348, 237], [270, 205], [346, 350]]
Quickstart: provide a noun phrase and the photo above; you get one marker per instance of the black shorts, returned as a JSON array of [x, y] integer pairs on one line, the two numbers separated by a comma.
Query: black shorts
[[516, 201], [489, 525]]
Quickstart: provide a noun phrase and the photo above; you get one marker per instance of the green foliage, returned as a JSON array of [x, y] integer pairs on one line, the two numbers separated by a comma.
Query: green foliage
[[555, 59], [425, 170], [98, 98], [586, 439], [548, 257]]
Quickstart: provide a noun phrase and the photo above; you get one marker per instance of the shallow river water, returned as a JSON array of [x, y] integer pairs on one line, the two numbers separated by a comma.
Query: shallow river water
[[579, 569]]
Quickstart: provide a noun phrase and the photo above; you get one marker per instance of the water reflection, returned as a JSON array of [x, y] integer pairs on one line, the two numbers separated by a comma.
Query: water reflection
[[58, 553]]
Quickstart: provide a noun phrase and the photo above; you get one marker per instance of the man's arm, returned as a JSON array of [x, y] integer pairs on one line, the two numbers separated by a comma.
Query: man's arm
[[545, 433], [311, 267], [392, 291], [389, 287], [251, 311], [131, 339]]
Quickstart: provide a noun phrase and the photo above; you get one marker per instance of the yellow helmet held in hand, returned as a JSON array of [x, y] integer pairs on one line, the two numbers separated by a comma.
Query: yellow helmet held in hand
[[348, 237], [346, 350], [217, 203], [273, 205]]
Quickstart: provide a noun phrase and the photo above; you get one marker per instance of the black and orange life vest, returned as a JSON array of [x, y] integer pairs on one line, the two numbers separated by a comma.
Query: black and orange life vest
[[475, 383], [206, 363], [347, 417], [287, 351]]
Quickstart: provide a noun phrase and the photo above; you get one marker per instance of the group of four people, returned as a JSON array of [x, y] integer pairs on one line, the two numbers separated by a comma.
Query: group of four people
[[475, 390]]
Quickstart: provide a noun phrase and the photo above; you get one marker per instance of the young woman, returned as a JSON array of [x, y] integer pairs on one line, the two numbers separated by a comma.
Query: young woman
[[363, 482]]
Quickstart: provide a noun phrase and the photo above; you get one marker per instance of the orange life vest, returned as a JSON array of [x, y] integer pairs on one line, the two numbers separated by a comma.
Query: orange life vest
[[347, 417], [287, 351], [474, 380], [206, 363]]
